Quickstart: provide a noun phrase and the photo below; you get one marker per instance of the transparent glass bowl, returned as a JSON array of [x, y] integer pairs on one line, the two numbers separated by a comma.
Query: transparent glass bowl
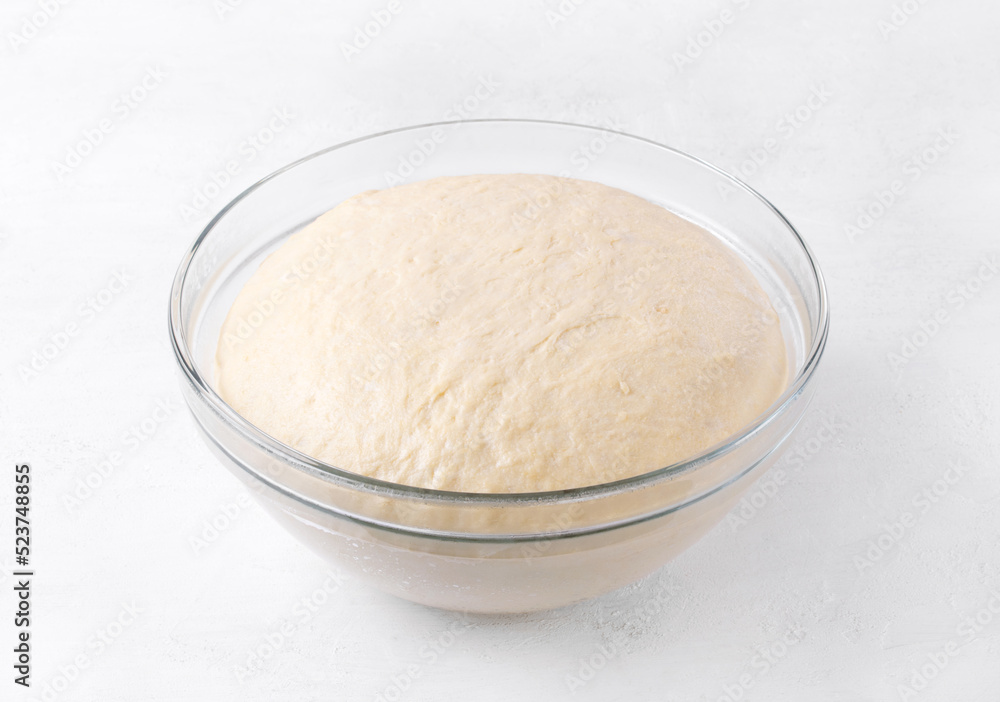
[[493, 552]]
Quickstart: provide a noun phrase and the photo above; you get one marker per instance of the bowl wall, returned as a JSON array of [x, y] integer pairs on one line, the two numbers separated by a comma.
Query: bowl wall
[[494, 553]]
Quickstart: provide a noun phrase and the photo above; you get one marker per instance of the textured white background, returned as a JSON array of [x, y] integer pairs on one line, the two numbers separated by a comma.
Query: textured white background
[[695, 630]]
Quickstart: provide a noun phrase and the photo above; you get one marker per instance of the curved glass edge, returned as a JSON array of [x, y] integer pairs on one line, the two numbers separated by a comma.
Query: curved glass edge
[[383, 488], [488, 538]]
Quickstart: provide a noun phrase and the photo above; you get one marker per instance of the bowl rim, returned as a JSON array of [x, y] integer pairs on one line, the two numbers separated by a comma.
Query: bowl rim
[[290, 455]]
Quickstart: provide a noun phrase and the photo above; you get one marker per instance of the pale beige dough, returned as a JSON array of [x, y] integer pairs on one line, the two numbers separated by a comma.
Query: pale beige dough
[[501, 333]]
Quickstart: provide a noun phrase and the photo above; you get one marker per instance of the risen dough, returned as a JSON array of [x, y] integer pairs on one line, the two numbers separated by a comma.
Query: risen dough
[[501, 333]]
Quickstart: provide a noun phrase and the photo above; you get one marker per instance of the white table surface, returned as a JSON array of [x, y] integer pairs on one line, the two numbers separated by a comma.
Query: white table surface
[[790, 604]]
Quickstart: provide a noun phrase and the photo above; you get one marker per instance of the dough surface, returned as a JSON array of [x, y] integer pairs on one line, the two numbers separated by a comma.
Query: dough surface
[[501, 333]]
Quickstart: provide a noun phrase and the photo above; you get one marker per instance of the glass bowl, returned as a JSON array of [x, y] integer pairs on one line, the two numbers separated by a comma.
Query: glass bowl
[[494, 552]]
